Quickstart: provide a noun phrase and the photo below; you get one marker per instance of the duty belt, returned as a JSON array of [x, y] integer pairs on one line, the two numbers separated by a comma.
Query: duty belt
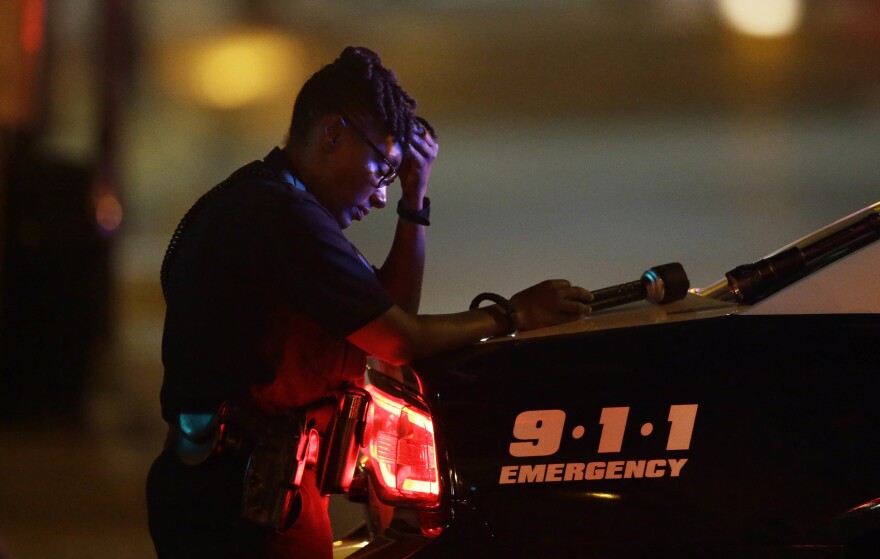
[[279, 448]]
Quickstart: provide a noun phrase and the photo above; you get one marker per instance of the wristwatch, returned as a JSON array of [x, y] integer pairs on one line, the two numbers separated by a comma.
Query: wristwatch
[[416, 216]]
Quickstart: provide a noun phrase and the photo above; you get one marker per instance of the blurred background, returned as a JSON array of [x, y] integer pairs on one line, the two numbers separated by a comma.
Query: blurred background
[[583, 139]]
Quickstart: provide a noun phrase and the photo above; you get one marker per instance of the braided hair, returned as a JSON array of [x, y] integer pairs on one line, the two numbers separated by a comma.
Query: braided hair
[[357, 81]]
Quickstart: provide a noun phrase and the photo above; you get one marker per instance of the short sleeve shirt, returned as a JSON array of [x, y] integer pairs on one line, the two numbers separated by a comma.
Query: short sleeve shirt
[[261, 289]]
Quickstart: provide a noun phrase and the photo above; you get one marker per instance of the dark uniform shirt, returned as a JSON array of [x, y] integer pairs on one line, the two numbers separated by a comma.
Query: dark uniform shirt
[[261, 290]]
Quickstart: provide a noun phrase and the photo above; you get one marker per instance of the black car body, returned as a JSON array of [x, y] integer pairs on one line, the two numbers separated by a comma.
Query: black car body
[[707, 427]]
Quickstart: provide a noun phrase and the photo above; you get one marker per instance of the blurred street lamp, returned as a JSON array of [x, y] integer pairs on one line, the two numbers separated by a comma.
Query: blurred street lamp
[[762, 18], [235, 70]]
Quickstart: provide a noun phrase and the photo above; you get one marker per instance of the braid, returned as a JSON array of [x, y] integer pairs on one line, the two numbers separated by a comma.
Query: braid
[[357, 80]]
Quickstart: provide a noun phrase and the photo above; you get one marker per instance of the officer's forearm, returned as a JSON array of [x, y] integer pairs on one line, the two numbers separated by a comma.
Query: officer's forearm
[[400, 337], [404, 268]]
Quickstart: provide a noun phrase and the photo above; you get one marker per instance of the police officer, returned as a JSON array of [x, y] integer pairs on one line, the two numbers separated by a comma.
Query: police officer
[[270, 307]]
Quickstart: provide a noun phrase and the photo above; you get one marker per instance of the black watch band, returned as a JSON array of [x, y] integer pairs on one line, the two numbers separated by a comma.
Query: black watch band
[[502, 302], [416, 216]]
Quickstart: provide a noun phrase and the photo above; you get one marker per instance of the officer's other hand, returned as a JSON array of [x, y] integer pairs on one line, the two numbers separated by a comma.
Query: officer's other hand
[[416, 170], [550, 302]]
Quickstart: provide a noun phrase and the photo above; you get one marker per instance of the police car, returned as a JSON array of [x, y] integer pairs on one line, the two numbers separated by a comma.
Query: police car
[[739, 421]]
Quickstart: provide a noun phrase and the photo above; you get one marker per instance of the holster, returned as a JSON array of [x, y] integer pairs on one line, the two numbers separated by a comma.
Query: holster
[[286, 447], [281, 447]]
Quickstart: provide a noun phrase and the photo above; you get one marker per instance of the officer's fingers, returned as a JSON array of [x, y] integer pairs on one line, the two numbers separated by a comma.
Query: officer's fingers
[[557, 284], [425, 145], [574, 307], [420, 156], [578, 294]]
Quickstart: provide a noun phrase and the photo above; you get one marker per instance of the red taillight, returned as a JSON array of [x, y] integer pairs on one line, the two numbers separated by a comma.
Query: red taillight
[[399, 441]]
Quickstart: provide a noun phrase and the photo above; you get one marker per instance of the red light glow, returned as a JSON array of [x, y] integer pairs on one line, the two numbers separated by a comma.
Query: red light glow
[[400, 444], [32, 25], [108, 212]]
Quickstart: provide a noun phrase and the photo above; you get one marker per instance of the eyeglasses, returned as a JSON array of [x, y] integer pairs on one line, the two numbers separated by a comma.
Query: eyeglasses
[[388, 176]]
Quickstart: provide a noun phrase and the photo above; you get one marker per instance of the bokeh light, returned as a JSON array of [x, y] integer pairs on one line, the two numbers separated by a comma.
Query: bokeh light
[[234, 70], [108, 212], [762, 18]]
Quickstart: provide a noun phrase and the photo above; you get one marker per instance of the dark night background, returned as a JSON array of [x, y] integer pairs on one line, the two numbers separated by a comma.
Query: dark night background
[[581, 139]]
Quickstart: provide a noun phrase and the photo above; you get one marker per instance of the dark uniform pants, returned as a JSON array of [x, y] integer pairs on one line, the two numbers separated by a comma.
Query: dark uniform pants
[[194, 511]]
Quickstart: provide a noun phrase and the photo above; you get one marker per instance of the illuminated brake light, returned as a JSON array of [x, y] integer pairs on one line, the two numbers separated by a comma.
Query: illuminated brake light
[[399, 441]]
